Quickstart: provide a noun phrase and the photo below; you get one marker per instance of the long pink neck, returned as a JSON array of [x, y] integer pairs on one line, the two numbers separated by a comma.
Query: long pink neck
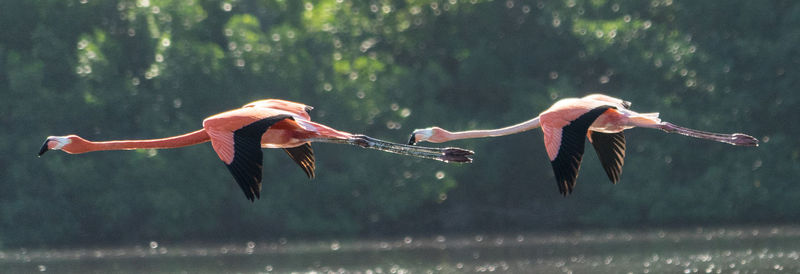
[[524, 126], [193, 138]]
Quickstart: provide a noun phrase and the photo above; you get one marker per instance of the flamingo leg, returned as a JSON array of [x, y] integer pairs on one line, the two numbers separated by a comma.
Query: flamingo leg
[[448, 154], [736, 139]]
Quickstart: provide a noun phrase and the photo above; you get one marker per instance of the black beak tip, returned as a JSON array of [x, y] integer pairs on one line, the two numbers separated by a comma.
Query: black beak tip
[[43, 149], [412, 140]]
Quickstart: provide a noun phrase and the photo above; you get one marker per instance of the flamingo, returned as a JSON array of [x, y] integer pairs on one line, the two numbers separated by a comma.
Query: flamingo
[[601, 118], [238, 135]]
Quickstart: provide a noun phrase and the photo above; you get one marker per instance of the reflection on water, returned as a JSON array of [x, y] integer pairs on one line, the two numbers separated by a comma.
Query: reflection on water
[[732, 250]]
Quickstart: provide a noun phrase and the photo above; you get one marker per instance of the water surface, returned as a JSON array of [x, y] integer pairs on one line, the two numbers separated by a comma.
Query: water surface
[[697, 250]]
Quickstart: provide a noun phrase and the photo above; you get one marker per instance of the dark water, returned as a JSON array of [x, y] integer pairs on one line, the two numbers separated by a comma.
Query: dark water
[[699, 250]]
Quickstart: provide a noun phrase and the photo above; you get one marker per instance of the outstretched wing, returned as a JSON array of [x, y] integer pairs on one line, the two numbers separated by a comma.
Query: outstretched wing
[[610, 148], [241, 152], [570, 143], [304, 157]]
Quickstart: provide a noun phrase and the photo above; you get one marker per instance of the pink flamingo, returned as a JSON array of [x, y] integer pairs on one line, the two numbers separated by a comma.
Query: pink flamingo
[[600, 118], [238, 135]]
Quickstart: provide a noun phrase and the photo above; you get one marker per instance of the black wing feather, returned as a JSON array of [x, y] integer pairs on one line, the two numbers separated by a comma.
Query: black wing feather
[[247, 158], [304, 157], [610, 148], [570, 153]]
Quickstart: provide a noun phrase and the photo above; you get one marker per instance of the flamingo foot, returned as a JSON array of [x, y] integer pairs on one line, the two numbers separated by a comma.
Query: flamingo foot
[[452, 154], [739, 139]]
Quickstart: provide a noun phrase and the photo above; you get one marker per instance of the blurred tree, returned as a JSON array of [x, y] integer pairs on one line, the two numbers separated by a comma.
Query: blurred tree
[[152, 68]]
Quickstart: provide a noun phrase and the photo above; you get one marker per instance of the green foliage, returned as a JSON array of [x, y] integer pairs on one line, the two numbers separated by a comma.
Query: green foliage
[[134, 69]]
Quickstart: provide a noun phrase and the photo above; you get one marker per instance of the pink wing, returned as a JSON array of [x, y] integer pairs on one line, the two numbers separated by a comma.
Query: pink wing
[[565, 147], [222, 142], [240, 149], [552, 140]]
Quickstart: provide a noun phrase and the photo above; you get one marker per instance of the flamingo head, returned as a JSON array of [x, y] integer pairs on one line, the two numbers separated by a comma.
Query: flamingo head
[[69, 144], [430, 134]]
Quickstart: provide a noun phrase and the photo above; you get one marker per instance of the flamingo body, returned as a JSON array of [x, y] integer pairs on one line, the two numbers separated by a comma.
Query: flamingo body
[[238, 135], [597, 117]]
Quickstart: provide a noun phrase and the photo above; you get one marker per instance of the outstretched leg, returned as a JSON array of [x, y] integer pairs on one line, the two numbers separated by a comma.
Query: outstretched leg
[[736, 139], [449, 154]]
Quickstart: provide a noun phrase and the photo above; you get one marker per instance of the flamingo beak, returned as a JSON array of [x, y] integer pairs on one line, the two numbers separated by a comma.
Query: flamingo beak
[[44, 148], [413, 139]]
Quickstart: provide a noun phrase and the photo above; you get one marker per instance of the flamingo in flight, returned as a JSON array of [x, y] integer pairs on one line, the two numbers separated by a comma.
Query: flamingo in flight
[[600, 118], [238, 135]]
